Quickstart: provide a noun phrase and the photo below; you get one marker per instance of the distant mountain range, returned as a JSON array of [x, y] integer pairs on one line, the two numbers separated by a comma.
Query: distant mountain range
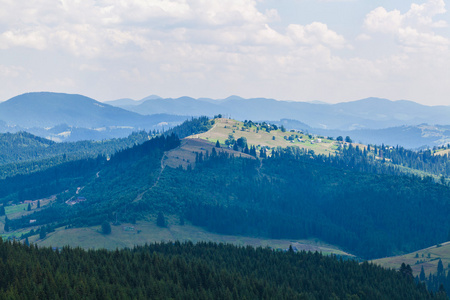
[[68, 117], [370, 113], [409, 136]]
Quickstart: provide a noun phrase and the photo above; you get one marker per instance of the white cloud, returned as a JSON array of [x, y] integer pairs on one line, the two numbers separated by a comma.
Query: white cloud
[[210, 47], [380, 20], [423, 14], [26, 38], [315, 33], [412, 37], [363, 37], [413, 28], [11, 71], [114, 28]]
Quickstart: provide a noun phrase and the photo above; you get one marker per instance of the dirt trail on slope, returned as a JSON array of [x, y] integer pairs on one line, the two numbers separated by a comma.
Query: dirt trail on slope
[[139, 197]]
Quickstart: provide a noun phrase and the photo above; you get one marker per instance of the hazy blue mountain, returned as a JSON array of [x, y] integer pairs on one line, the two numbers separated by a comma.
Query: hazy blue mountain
[[50, 109], [151, 97], [83, 118], [413, 137], [369, 113], [179, 106], [124, 102]]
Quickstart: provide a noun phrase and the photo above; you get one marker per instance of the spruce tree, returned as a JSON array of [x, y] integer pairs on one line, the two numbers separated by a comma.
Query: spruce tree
[[106, 227], [217, 144], [161, 221], [440, 268], [422, 276], [6, 228], [42, 233]]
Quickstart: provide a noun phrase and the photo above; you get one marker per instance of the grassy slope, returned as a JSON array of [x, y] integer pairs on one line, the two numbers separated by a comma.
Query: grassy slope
[[429, 263], [91, 237], [223, 127]]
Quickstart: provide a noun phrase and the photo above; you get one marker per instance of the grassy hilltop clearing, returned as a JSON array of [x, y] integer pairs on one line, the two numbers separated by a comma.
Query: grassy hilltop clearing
[[265, 135]]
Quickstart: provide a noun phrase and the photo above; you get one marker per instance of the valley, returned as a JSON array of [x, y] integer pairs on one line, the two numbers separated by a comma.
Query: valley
[[234, 182], [225, 150]]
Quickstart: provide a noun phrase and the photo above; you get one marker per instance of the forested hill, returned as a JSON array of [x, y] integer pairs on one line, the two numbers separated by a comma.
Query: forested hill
[[188, 271], [292, 194], [23, 152]]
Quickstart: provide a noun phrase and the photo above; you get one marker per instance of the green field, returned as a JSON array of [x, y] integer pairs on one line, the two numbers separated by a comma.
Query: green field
[[14, 209], [147, 232], [427, 258]]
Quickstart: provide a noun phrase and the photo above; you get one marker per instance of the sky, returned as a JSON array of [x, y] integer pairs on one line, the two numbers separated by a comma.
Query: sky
[[298, 50]]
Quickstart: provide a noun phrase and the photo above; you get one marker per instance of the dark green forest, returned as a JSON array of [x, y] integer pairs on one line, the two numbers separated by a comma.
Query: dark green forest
[[369, 207], [393, 160], [200, 271], [24, 153], [290, 195]]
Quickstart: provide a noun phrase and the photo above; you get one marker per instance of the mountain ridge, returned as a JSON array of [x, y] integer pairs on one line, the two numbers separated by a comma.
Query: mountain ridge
[[83, 117], [367, 113]]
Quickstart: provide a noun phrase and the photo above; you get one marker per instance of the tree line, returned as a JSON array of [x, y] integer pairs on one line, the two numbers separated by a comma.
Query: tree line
[[194, 271]]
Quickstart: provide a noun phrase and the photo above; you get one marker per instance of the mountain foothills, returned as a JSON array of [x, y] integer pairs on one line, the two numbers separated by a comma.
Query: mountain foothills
[[222, 177], [24, 153]]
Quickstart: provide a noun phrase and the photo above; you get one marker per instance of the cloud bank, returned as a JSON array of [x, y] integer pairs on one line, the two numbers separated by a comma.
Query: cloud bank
[[111, 48]]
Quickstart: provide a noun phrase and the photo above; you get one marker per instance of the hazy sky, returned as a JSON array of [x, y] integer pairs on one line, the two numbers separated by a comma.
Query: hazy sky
[[328, 50]]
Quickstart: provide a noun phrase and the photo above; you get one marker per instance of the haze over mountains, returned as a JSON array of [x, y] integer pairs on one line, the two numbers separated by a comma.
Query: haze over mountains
[[74, 117], [66, 117], [371, 113], [370, 120]]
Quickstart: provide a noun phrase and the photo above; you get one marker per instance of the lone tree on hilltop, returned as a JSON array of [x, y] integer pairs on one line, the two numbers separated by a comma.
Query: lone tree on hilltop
[[242, 142]]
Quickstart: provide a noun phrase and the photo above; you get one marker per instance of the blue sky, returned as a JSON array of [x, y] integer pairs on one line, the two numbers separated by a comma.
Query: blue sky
[[300, 50]]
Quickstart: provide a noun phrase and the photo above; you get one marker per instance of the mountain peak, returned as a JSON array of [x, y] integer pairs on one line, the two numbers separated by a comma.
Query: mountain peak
[[151, 97], [233, 97]]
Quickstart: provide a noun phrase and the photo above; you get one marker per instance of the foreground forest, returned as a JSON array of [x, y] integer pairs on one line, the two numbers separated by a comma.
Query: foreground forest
[[200, 271]]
